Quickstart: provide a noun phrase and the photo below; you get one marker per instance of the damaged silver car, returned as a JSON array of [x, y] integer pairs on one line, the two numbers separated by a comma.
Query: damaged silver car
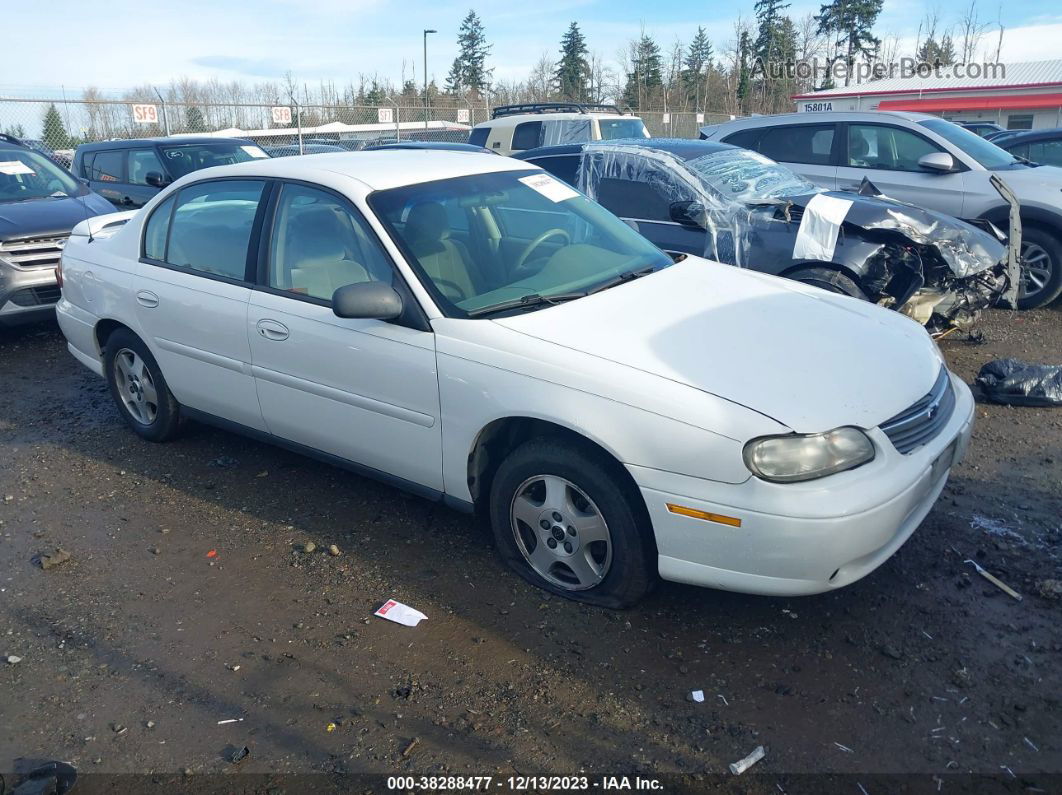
[[739, 207]]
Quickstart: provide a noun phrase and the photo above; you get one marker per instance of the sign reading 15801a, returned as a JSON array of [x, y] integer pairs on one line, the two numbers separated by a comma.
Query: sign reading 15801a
[[818, 107]]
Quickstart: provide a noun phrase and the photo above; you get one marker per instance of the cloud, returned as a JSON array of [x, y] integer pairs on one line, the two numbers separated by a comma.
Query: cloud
[[252, 67]]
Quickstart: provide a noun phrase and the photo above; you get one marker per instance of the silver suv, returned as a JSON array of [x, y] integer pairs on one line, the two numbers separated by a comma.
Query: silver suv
[[923, 160]]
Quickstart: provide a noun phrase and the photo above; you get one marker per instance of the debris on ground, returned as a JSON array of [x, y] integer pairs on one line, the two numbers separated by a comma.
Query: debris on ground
[[239, 755], [844, 748], [213, 553], [331, 727], [994, 580], [696, 695], [229, 720], [11, 659], [333, 550], [409, 748], [740, 766], [49, 560], [400, 613], [224, 462], [309, 547], [1049, 589], [1019, 383]]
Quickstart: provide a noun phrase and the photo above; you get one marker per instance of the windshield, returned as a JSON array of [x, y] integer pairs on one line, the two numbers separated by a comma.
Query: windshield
[[183, 159], [984, 152], [488, 240], [611, 129], [748, 177], [25, 174]]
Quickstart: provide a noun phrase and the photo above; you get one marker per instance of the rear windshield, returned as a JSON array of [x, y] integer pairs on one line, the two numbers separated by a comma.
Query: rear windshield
[[748, 177], [25, 175], [984, 152], [611, 129], [478, 136], [183, 159]]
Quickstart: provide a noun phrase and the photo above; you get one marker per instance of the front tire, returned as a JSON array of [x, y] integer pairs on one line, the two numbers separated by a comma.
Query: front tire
[[830, 280], [139, 388], [562, 520], [1041, 268]]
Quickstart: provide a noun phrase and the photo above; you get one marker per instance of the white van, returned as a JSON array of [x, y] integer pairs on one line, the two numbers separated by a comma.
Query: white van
[[517, 128]]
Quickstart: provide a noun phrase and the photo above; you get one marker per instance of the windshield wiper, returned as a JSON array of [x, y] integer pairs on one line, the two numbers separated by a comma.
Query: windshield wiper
[[623, 278], [526, 302]]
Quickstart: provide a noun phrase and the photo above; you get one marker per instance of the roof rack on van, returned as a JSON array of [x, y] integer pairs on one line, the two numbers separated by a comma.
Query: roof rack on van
[[552, 107]]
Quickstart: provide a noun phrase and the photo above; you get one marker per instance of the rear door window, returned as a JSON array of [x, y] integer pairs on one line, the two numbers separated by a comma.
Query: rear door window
[[104, 166], [744, 138], [1049, 153], [141, 163], [567, 131], [798, 143], [527, 135], [888, 148], [565, 167], [479, 136], [211, 227]]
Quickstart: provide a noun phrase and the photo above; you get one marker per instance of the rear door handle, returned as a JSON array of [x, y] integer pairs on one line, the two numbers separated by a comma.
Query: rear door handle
[[272, 330], [147, 298]]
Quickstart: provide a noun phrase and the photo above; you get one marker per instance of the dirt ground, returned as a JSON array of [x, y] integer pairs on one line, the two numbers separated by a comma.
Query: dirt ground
[[187, 602]]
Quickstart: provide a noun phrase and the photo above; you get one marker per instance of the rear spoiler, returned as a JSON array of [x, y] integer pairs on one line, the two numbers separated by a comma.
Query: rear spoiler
[[102, 225]]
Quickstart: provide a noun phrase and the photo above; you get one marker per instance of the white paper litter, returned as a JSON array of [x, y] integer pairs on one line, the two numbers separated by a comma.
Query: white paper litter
[[816, 238], [254, 151], [13, 167], [552, 189], [400, 613], [741, 765], [697, 695]]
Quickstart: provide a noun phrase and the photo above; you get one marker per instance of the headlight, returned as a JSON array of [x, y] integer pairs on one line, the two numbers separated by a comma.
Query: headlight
[[786, 459]]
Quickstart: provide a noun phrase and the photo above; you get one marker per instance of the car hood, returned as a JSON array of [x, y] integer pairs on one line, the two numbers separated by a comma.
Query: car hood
[[808, 359], [965, 248], [49, 217], [1025, 181]]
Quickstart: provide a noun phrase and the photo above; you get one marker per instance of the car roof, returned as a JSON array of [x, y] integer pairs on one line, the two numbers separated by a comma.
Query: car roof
[[824, 116], [377, 170], [683, 148], [132, 143], [445, 146], [1023, 136]]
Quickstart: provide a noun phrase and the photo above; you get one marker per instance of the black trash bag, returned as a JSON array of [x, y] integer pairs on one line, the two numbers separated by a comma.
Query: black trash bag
[[53, 778], [1020, 383]]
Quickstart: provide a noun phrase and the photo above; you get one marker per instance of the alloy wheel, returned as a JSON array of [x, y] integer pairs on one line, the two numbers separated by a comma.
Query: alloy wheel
[[136, 387], [1036, 266], [561, 533]]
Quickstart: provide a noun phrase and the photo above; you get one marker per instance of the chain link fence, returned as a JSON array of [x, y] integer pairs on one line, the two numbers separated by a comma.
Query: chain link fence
[[58, 126]]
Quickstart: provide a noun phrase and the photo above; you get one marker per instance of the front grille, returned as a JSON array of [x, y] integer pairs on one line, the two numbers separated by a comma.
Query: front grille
[[31, 253], [922, 421], [36, 296]]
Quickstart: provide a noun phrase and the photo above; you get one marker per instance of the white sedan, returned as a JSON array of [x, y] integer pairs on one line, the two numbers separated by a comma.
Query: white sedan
[[468, 328]]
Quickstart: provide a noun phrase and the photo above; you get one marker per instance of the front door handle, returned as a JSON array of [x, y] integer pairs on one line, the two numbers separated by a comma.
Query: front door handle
[[272, 330], [147, 298]]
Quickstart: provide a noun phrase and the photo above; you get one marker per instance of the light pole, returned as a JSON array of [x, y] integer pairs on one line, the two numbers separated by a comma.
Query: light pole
[[426, 32]]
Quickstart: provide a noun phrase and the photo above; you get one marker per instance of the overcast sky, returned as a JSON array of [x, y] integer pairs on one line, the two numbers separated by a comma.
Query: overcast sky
[[130, 43]]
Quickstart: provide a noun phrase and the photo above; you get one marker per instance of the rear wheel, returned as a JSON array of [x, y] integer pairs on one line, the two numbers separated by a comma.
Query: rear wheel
[[561, 520], [139, 388], [1041, 268], [829, 279]]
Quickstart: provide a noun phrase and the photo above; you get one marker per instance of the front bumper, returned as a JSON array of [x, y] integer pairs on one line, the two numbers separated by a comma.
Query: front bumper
[[27, 295], [802, 538]]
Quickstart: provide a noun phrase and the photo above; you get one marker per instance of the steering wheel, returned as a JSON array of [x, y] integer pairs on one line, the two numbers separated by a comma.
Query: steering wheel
[[538, 241]]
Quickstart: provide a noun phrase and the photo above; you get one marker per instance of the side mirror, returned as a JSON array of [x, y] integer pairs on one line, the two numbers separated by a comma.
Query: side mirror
[[155, 179], [688, 213], [367, 300], [940, 162]]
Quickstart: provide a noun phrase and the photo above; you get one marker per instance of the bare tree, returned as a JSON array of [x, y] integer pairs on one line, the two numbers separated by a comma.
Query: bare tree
[[971, 30]]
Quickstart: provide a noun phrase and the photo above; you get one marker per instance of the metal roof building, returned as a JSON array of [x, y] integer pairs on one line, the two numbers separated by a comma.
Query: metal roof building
[[1017, 96]]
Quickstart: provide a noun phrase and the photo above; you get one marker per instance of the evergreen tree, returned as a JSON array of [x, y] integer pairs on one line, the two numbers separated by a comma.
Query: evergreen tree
[[54, 133], [744, 70], [469, 70], [935, 53], [16, 131], [645, 74], [850, 23], [573, 71], [193, 119], [695, 66], [769, 21]]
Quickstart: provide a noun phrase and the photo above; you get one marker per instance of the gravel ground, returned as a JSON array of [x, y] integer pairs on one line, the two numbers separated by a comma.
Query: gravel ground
[[187, 600]]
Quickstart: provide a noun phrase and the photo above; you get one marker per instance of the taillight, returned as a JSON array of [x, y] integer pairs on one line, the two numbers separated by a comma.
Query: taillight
[[59, 274]]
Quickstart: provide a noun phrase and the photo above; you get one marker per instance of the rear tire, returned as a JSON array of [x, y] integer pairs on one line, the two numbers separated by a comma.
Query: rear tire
[[138, 387], [598, 551], [830, 280], [1043, 272]]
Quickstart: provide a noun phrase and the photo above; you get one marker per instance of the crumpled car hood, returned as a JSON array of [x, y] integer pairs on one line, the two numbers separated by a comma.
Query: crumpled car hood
[[808, 359]]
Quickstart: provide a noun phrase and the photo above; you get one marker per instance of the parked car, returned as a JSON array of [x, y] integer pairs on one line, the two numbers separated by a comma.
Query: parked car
[[40, 202], [517, 128], [476, 331], [438, 146], [1043, 147], [982, 128], [923, 160], [739, 207], [288, 150], [130, 172]]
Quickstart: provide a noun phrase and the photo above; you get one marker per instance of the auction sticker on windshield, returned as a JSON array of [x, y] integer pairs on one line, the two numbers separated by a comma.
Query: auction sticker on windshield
[[15, 167], [552, 189]]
